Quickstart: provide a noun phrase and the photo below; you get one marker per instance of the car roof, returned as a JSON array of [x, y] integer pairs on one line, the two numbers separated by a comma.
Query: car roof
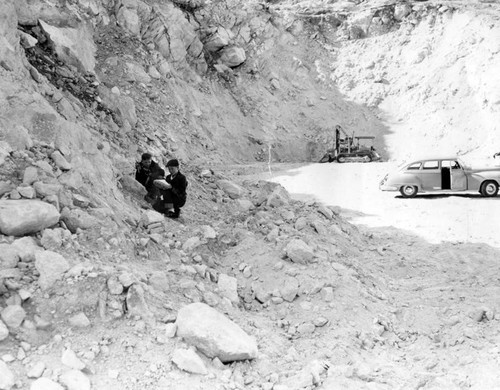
[[433, 158]]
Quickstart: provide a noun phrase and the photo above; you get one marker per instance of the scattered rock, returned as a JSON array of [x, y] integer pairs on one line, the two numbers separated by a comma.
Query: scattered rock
[[114, 286], [170, 329], [232, 56], [4, 332], [70, 359], [188, 360], [136, 303], [22, 217], [26, 247], [13, 316], [126, 279], [7, 378], [159, 281], [9, 256], [306, 328], [51, 266], [208, 232], [78, 219], [278, 198], [36, 370], [233, 190], [46, 189], [60, 161], [75, 380], [289, 289], [214, 334], [191, 243], [79, 320], [228, 287], [52, 239], [133, 186], [45, 384], [299, 252], [320, 322], [327, 294], [30, 175], [151, 217]]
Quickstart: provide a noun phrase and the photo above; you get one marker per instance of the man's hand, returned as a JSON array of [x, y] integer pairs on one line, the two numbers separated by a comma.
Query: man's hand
[[138, 165]]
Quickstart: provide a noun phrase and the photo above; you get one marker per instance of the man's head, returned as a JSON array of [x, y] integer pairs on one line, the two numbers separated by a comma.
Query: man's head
[[173, 166], [146, 159]]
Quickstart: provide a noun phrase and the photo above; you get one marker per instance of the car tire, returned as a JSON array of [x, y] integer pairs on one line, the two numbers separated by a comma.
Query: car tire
[[408, 191], [489, 188], [341, 159]]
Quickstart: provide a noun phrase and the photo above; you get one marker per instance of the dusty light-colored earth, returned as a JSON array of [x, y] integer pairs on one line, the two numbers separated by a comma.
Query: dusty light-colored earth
[[436, 217]]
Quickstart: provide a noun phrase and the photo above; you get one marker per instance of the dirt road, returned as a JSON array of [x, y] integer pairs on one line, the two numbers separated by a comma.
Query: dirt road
[[437, 218]]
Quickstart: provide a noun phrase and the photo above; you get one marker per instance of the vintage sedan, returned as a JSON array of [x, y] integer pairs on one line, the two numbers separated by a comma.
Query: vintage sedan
[[446, 175]]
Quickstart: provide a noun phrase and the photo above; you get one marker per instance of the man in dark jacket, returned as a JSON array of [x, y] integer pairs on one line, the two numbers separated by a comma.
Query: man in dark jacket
[[172, 191], [146, 172]]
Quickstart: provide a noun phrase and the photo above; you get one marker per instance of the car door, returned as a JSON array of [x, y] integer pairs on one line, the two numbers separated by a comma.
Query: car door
[[458, 177], [430, 174]]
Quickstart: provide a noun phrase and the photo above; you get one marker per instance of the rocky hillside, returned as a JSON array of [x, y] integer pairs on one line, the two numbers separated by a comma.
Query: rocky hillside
[[249, 289]]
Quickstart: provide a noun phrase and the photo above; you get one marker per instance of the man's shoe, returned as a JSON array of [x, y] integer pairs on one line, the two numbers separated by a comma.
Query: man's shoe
[[172, 214]]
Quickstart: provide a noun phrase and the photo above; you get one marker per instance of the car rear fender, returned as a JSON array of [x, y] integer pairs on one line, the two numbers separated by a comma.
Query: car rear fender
[[404, 179]]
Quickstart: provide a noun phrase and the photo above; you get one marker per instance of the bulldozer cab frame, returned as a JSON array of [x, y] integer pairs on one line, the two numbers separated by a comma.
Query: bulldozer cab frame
[[351, 148]]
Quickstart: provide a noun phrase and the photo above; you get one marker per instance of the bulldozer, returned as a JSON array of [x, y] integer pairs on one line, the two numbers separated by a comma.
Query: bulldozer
[[350, 148]]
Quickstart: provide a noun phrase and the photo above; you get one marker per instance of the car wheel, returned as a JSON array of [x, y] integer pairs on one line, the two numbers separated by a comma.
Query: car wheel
[[408, 191], [341, 159], [489, 188]]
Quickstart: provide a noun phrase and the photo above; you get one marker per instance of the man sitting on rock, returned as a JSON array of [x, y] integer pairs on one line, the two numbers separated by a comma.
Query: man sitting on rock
[[146, 172], [172, 191]]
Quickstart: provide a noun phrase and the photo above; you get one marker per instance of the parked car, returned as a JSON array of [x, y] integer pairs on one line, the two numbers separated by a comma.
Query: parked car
[[447, 175]]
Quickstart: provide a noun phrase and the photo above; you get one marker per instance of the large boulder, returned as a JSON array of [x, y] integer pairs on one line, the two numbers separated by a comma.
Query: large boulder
[[22, 217], [51, 266], [214, 334], [74, 46]]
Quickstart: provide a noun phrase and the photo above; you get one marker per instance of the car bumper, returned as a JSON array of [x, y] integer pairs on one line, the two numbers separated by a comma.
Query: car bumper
[[385, 187]]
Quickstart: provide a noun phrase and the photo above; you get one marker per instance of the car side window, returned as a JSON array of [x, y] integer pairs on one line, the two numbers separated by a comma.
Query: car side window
[[431, 164], [414, 166], [452, 164]]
